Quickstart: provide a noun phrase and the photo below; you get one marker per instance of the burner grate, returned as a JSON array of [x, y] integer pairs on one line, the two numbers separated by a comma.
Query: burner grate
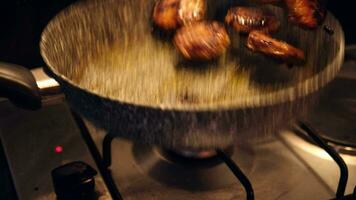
[[104, 162], [340, 192], [238, 173], [99, 161], [107, 150]]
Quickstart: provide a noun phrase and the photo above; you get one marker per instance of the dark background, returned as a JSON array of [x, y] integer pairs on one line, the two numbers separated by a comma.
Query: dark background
[[22, 22]]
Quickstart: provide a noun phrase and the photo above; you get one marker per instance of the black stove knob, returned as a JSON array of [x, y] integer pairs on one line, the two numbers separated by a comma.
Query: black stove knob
[[74, 180]]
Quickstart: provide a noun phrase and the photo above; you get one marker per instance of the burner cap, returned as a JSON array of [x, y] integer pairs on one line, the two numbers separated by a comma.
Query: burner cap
[[187, 171], [192, 155], [195, 154]]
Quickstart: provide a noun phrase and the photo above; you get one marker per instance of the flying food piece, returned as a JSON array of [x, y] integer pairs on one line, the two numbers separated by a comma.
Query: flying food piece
[[306, 13], [191, 11], [260, 42], [202, 40], [246, 19], [171, 14]]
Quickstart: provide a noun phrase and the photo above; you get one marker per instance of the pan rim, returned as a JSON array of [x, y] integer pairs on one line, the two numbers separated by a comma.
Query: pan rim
[[279, 96]]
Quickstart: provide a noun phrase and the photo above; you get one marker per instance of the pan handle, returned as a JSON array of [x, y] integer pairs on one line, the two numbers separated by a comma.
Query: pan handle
[[19, 85]]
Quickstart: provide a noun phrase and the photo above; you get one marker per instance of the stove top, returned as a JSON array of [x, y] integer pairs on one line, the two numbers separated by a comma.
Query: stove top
[[280, 166], [142, 172]]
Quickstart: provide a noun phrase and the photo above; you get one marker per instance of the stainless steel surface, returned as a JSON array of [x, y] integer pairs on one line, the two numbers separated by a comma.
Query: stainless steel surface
[[320, 162], [30, 138], [50, 90], [45, 83]]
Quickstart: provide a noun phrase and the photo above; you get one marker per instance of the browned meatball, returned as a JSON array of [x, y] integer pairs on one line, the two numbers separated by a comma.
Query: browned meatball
[[306, 13], [170, 14], [165, 14], [246, 19], [202, 41], [260, 42]]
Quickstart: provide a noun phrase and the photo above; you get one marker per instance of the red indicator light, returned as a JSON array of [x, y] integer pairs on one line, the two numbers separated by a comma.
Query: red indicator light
[[58, 149]]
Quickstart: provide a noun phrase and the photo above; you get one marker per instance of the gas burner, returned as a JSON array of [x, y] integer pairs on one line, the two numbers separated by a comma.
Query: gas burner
[[190, 154], [190, 170], [141, 171], [193, 155]]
